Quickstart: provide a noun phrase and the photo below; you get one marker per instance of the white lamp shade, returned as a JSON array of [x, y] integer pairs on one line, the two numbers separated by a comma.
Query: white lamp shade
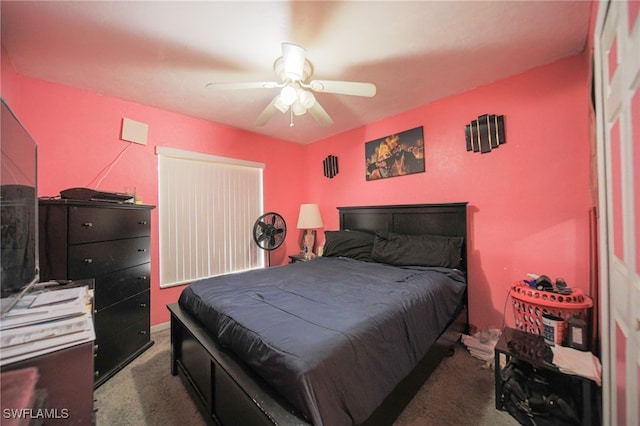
[[298, 108], [309, 217], [306, 98], [288, 95]]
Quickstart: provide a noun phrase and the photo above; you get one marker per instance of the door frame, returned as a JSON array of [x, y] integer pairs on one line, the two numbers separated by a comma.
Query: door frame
[[603, 220], [609, 311]]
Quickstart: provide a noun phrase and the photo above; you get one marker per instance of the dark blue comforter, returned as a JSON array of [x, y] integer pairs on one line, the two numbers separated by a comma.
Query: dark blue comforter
[[334, 335]]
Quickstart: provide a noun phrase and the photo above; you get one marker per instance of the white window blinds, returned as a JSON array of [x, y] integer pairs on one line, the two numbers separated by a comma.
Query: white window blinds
[[207, 206]]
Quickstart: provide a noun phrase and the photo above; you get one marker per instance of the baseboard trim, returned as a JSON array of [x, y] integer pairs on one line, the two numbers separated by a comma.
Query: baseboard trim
[[161, 326]]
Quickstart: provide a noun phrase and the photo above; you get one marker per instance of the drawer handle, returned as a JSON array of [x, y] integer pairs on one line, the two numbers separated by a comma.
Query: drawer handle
[[87, 224], [88, 261], [142, 249], [143, 305], [142, 277], [143, 332], [142, 222], [96, 373]]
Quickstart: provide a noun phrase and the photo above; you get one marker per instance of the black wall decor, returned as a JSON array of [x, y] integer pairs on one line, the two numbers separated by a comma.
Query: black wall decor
[[485, 133], [330, 165]]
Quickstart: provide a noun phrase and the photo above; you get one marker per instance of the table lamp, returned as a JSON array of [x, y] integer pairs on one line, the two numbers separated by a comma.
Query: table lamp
[[309, 219]]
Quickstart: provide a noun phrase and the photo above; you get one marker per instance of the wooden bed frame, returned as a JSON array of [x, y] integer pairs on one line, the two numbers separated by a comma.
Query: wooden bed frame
[[229, 393]]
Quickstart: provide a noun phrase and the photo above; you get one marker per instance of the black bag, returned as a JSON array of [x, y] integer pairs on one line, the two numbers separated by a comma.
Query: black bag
[[537, 397]]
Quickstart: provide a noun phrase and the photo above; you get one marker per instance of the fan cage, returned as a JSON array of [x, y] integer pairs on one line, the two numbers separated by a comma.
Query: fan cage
[[269, 231]]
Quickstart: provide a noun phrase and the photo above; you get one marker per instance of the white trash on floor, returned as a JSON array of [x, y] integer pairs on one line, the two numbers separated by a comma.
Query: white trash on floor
[[481, 345]]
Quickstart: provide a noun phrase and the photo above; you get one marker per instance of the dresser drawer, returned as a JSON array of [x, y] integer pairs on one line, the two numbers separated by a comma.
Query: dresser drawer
[[94, 259], [109, 243], [110, 321], [116, 286], [89, 224], [121, 347]]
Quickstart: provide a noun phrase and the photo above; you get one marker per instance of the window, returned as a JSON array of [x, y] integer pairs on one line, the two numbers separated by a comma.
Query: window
[[207, 208]]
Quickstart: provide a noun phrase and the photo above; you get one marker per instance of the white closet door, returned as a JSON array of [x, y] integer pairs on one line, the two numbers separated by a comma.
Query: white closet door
[[617, 63]]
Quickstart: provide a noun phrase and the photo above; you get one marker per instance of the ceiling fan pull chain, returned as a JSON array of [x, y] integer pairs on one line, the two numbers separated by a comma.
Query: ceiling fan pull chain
[[291, 114]]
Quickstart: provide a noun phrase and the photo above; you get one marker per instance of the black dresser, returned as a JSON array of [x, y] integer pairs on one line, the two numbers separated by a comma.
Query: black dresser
[[109, 242]]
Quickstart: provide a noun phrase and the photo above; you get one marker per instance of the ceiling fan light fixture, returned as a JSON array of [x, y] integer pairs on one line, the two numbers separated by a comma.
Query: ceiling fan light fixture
[[306, 99], [288, 95], [294, 61], [280, 105], [296, 96], [298, 108]]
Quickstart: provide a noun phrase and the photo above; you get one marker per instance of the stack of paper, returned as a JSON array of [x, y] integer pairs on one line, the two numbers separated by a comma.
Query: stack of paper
[[482, 344], [45, 322]]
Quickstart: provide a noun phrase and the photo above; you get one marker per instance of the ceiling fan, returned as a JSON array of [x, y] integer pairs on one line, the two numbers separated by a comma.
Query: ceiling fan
[[296, 94]]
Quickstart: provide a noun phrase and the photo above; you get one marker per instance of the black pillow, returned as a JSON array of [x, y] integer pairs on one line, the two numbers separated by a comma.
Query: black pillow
[[417, 250], [353, 244]]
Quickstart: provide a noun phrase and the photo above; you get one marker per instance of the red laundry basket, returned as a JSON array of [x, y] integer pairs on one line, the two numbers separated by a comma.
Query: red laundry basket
[[530, 304]]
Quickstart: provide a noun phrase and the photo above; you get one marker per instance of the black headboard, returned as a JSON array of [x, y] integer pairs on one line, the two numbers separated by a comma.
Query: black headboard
[[414, 219]]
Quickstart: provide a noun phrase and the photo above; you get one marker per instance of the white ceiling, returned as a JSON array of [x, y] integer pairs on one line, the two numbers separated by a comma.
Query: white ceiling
[[163, 53]]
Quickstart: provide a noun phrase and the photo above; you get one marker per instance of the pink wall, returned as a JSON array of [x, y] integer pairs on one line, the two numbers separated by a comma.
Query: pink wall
[[78, 137], [528, 200]]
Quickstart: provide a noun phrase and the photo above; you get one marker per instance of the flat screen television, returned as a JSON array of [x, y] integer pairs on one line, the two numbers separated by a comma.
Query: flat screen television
[[19, 264]]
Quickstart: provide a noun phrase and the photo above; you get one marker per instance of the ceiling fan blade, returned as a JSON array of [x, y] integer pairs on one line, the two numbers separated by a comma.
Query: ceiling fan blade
[[343, 87], [320, 115], [267, 113], [249, 85]]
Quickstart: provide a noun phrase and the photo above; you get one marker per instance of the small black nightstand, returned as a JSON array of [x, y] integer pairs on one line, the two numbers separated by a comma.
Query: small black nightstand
[[298, 258], [530, 348]]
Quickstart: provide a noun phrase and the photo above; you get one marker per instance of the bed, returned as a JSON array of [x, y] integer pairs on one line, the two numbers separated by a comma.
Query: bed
[[342, 339]]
